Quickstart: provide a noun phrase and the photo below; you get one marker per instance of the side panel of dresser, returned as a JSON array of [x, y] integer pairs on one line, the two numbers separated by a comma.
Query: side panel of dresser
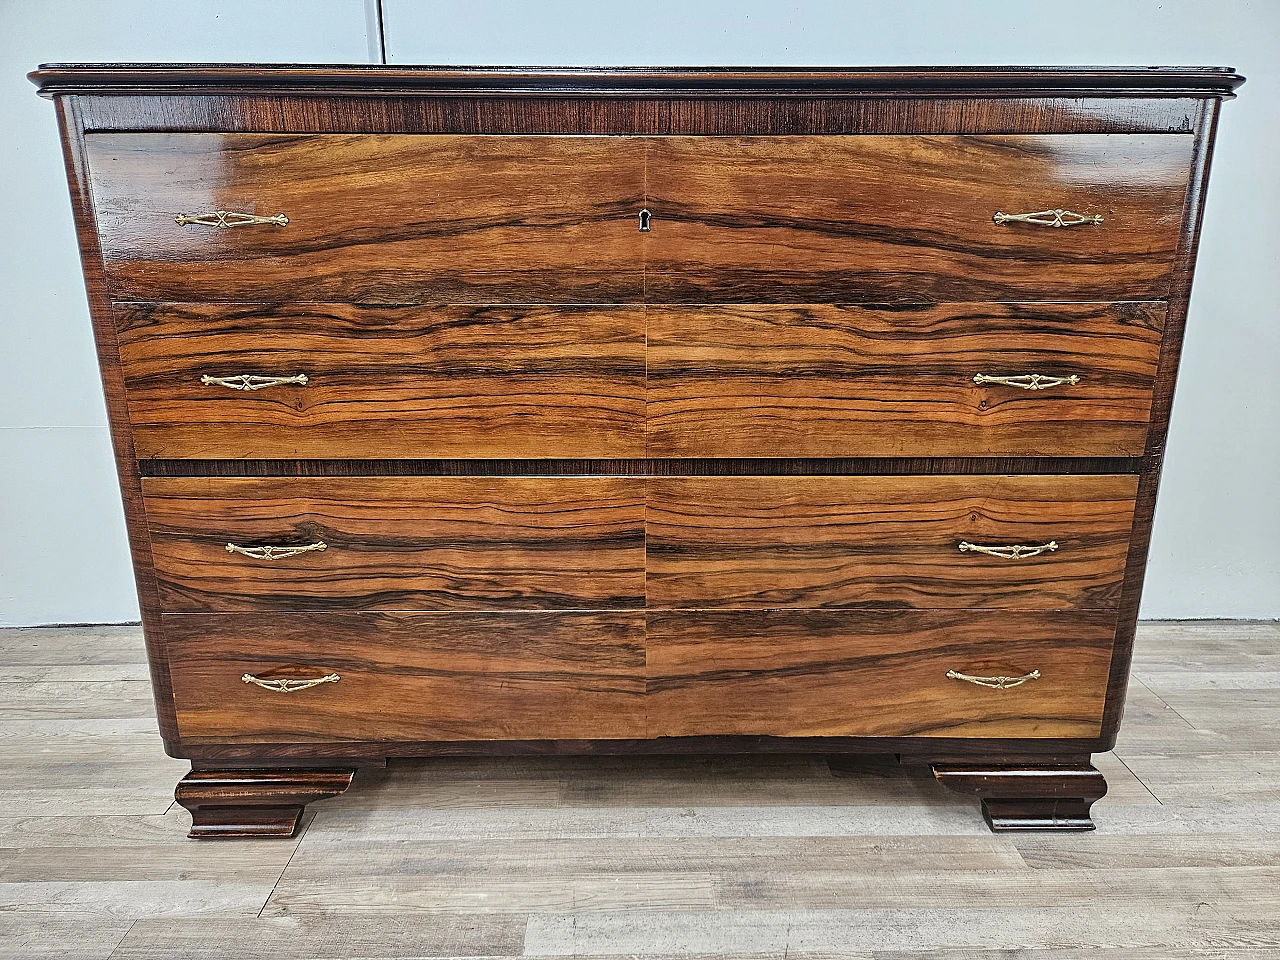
[[71, 127], [1206, 124]]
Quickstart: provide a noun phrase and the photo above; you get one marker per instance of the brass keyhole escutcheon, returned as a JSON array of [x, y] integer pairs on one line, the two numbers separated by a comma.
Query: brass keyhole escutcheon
[[645, 217]]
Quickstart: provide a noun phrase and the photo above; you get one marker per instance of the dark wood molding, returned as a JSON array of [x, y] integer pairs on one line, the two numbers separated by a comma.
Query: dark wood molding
[[745, 467], [222, 755], [1028, 796], [54, 79], [255, 802]]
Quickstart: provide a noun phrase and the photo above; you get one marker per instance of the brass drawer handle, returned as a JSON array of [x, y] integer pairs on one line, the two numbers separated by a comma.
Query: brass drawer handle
[[1050, 218], [251, 381], [290, 686], [995, 683], [1014, 551], [1027, 381], [225, 219], [276, 553]]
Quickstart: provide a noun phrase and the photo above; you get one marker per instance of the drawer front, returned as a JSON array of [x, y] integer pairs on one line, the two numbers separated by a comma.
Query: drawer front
[[424, 676], [889, 542], [837, 381], [396, 543], [383, 382], [878, 674], [872, 218], [372, 218]]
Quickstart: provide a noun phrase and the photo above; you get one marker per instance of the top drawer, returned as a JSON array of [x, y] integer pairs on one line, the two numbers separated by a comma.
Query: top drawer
[[411, 218], [371, 218], [848, 219]]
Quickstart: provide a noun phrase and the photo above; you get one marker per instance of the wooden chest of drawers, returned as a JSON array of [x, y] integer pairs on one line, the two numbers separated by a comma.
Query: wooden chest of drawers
[[485, 410]]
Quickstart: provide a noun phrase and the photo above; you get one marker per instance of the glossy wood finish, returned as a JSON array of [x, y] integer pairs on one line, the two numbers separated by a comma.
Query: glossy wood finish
[[897, 380], [394, 218], [849, 219], [1043, 797], [470, 676], [772, 542], [254, 803], [431, 676], [397, 543], [989, 104], [604, 83], [479, 381], [808, 673]]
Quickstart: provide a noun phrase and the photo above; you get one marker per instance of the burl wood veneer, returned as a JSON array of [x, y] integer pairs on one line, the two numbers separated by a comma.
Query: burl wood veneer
[[518, 410]]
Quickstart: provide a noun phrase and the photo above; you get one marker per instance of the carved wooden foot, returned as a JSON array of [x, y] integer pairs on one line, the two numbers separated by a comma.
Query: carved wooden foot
[[254, 803], [1028, 796]]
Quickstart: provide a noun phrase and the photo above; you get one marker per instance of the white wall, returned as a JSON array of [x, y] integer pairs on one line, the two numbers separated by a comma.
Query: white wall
[[1216, 549]]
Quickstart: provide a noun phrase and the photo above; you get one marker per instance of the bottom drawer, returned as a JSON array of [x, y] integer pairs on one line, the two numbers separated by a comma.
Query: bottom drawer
[[824, 673], [625, 675]]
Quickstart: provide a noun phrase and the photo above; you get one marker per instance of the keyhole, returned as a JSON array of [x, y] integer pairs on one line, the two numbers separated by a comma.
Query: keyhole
[[645, 217]]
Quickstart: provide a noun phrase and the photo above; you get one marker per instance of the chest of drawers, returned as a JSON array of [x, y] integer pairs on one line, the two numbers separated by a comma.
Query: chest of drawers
[[489, 411]]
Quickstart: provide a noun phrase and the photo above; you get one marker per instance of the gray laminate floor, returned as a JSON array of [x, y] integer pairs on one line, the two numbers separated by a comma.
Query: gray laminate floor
[[736, 857]]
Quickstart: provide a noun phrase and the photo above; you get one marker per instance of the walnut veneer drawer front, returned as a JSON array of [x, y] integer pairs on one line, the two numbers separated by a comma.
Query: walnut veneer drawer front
[[396, 543], [322, 380], [463, 676], [386, 218], [1038, 543], [878, 674], [871, 218], [1001, 379]]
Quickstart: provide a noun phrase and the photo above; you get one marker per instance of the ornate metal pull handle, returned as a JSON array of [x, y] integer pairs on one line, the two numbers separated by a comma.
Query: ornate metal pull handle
[[1027, 381], [251, 381], [995, 683], [290, 686], [225, 219], [276, 553], [1050, 218], [1016, 551]]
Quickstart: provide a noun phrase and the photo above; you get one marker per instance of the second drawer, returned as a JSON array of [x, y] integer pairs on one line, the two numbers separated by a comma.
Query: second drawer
[[506, 543]]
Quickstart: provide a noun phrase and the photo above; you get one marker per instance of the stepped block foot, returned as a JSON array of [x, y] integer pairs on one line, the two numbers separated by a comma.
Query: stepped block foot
[[255, 803], [1028, 796]]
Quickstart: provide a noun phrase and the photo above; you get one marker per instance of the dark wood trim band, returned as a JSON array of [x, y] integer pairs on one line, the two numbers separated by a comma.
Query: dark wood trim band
[[337, 79], [857, 466], [919, 749]]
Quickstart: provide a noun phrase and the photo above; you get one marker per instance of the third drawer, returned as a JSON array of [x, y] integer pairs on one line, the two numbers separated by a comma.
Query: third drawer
[[627, 542]]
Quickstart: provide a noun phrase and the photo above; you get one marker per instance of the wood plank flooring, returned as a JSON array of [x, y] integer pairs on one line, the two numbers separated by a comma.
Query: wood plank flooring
[[692, 858]]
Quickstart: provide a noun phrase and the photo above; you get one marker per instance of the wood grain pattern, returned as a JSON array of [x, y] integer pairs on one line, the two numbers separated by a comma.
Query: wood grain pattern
[[897, 380], [392, 218], [439, 676], [1052, 110], [480, 381], [849, 219], [398, 543], [885, 541], [876, 673]]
